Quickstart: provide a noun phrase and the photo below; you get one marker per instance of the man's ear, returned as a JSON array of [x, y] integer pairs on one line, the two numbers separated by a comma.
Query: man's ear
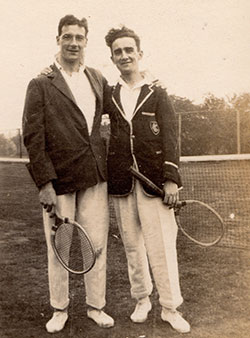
[[140, 54]]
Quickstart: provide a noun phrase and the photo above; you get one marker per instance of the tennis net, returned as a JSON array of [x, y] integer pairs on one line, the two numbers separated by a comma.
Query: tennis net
[[222, 181]]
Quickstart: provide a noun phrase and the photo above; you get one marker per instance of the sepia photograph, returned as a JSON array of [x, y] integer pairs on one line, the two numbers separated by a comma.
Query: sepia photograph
[[125, 169]]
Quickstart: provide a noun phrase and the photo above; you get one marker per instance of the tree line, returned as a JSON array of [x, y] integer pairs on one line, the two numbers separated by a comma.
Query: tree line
[[216, 126]]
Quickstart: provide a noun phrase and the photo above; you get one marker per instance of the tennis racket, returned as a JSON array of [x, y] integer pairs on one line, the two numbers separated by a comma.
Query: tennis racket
[[72, 245], [198, 221]]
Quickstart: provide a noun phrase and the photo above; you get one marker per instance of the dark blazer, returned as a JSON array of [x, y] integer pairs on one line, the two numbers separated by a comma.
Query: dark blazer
[[56, 136], [149, 140]]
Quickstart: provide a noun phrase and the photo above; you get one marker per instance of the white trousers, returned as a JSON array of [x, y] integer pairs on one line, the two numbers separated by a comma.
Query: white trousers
[[90, 209], [145, 222]]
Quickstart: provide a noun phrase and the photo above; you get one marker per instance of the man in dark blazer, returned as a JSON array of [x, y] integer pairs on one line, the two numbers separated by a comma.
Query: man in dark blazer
[[61, 129], [143, 134]]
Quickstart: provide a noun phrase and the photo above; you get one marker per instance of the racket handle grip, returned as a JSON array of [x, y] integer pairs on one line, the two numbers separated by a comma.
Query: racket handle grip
[[181, 204], [146, 181]]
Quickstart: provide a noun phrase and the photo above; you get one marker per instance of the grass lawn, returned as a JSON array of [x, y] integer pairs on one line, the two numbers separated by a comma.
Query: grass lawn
[[215, 281]]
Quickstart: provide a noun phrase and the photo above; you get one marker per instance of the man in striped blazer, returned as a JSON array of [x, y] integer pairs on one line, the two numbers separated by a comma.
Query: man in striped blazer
[[143, 134]]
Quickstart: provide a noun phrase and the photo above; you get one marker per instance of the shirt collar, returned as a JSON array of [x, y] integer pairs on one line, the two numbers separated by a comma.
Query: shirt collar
[[144, 81], [81, 69]]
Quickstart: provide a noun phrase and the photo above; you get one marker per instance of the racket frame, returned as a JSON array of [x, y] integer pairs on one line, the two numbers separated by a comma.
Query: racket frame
[[56, 225], [180, 204], [204, 244]]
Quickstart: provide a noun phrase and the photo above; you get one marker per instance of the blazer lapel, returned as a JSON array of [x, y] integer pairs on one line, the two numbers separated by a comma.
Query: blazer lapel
[[59, 82], [145, 93], [94, 84], [98, 92], [116, 98]]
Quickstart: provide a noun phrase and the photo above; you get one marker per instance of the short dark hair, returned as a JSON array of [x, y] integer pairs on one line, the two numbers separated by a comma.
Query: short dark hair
[[114, 34], [68, 20]]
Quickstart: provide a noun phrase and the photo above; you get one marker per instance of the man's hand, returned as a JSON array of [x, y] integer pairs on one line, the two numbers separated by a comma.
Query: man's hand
[[46, 71], [171, 197], [47, 196], [158, 83]]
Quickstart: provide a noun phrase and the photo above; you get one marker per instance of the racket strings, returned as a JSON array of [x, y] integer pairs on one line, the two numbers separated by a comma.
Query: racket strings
[[200, 223], [74, 248]]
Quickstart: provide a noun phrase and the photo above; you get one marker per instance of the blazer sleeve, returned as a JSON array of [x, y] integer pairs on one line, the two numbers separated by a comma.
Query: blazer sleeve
[[168, 126], [40, 167]]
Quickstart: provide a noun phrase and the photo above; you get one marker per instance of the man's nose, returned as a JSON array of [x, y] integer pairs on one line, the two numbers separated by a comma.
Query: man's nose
[[73, 41], [124, 55]]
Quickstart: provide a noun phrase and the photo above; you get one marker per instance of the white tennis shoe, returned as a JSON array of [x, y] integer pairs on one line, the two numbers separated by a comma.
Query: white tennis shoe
[[140, 314], [57, 322], [100, 317], [175, 319]]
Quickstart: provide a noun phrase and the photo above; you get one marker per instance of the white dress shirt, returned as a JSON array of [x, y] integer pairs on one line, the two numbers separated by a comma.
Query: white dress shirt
[[83, 93], [129, 96]]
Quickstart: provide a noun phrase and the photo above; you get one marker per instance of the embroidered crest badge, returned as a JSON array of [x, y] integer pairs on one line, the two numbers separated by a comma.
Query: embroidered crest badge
[[154, 127]]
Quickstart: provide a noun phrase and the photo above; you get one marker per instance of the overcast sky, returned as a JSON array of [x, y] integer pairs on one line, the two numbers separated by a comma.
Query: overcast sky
[[193, 46]]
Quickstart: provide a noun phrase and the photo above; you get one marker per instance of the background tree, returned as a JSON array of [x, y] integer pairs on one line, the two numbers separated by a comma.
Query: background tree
[[209, 128], [241, 105], [7, 146], [20, 148]]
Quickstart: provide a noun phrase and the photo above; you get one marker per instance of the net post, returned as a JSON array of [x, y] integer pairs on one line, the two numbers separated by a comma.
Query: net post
[[238, 131], [20, 142], [179, 132]]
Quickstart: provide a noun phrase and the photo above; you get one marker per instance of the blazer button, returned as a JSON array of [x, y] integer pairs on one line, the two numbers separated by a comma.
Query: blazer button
[[132, 136]]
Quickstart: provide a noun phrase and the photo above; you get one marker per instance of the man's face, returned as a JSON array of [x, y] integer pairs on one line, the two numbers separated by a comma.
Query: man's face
[[72, 42], [125, 55]]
